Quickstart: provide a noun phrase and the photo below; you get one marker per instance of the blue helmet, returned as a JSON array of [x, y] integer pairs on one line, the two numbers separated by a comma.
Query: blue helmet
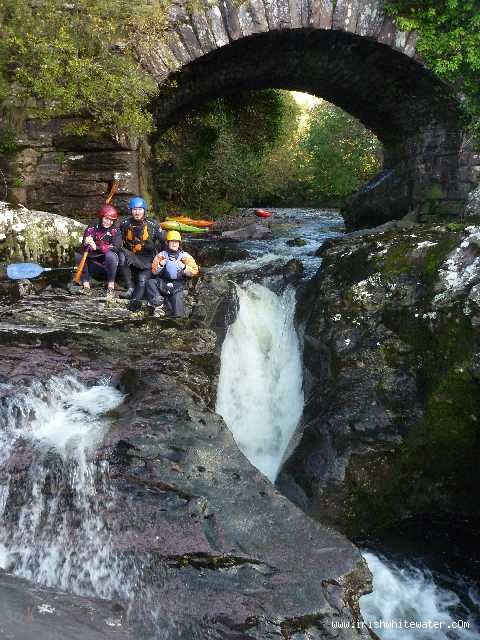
[[137, 201]]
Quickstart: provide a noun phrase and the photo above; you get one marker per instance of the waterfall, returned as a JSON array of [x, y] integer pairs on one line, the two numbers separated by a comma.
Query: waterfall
[[404, 593], [52, 530], [260, 392]]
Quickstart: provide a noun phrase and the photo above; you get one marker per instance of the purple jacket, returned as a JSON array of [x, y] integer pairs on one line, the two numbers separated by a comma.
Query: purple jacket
[[105, 239]]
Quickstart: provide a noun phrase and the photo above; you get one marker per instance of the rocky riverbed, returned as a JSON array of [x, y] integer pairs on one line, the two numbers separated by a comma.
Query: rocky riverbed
[[208, 547], [216, 550]]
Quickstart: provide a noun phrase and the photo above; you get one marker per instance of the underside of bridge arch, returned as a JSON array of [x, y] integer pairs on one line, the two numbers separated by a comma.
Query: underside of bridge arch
[[415, 116]]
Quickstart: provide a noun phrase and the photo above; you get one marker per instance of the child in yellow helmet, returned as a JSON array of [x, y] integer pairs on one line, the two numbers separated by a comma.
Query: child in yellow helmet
[[166, 289]]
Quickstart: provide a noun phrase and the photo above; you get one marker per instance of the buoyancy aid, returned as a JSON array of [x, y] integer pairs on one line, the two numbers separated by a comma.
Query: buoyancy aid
[[174, 266], [160, 262], [142, 238], [136, 236]]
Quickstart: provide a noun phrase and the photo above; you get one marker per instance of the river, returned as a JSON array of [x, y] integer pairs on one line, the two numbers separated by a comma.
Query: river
[[260, 396]]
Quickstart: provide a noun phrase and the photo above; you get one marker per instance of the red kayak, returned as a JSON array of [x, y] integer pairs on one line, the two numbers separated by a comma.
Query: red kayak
[[262, 213]]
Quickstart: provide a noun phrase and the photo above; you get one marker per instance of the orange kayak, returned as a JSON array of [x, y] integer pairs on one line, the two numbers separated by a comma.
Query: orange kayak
[[192, 221]]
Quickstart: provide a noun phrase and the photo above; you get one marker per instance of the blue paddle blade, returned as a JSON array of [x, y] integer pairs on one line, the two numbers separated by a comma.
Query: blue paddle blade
[[23, 270]]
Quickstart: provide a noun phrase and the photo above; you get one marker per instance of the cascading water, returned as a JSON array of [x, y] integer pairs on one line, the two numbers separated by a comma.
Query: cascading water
[[260, 392], [405, 597], [52, 531], [260, 397]]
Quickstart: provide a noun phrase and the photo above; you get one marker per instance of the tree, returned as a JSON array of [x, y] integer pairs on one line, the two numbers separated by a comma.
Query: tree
[[218, 157], [341, 153], [59, 58], [449, 41]]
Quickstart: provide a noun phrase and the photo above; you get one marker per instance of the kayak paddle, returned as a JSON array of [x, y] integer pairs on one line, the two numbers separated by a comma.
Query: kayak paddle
[[28, 270]]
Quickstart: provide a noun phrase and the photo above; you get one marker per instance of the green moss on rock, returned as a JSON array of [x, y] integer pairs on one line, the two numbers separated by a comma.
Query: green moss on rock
[[411, 453], [37, 236]]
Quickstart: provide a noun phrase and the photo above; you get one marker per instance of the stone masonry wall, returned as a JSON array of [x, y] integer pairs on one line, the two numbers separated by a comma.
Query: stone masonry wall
[[66, 175]]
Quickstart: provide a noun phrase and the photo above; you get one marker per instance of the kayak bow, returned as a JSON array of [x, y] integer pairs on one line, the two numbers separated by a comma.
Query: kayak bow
[[191, 221], [173, 225]]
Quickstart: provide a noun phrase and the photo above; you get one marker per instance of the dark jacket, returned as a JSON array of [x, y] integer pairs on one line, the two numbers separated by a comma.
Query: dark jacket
[[144, 238]]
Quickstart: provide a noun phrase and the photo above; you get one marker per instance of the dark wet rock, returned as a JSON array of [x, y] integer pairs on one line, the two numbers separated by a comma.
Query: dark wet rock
[[392, 339], [221, 552], [384, 198], [296, 242], [253, 231], [293, 271], [30, 611], [216, 252], [213, 302]]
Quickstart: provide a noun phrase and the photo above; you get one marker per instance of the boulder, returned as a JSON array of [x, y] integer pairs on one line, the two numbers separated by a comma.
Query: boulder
[[213, 253], [392, 345], [296, 242], [472, 208], [37, 236], [253, 231], [30, 611]]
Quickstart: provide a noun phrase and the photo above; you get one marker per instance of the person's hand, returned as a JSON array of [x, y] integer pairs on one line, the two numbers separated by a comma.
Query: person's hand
[[89, 240], [159, 262]]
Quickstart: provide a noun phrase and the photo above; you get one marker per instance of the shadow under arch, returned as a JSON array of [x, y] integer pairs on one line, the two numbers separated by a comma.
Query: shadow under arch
[[414, 115]]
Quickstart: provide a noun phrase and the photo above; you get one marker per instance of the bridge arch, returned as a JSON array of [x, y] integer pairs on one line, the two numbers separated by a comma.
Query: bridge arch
[[349, 53]]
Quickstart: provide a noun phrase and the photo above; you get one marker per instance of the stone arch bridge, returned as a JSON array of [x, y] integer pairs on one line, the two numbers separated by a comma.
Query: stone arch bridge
[[348, 52]]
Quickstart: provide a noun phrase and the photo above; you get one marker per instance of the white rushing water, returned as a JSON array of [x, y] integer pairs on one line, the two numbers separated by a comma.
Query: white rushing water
[[313, 226], [52, 530], [405, 599], [260, 392]]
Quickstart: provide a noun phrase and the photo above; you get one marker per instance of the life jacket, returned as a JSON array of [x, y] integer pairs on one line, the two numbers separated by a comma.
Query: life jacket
[[136, 236], [172, 257]]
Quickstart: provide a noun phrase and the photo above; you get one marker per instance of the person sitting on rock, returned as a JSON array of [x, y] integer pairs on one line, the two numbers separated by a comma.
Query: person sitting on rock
[[166, 289], [101, 240], [142, 238]]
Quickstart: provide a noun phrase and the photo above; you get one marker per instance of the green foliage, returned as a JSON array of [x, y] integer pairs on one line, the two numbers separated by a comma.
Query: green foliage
[[341, 153], [449, 42], [3, 71], [77, 59], [8, 143], [256, 148], [216, 158]]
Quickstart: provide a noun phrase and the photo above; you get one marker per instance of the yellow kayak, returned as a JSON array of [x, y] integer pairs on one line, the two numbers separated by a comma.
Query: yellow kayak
[[192, 221], [173, 225]]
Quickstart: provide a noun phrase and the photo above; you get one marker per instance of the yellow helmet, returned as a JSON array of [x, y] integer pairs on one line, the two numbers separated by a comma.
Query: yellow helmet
[[173, 235]]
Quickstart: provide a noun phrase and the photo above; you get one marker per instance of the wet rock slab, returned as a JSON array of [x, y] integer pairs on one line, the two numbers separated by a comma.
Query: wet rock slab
[[30, 611], [221, 552]]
